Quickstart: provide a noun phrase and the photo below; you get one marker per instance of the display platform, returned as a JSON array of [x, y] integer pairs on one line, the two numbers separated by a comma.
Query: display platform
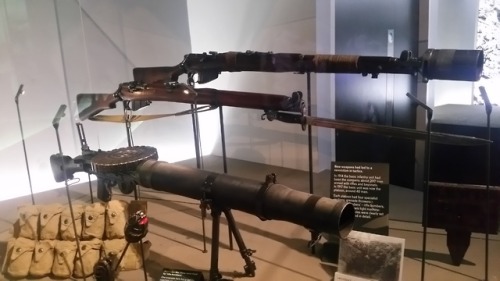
[[281, 248]]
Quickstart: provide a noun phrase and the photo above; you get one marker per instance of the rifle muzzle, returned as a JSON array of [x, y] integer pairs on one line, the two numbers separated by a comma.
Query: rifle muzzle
[[449, 64]]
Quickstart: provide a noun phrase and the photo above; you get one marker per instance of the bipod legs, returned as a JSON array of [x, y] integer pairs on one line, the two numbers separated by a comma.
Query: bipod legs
[[245, 253]]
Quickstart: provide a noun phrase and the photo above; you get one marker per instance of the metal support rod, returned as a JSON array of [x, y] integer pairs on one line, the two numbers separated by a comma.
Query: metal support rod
[[121, 257], [309, 134], [90, 190], [224, 160], [489, 109], [197, 144], [130, 142], [55, 123], [309, 147], [20, 91], [223, 139], [196, 135], [84, 147], [427, 162], [488, 182]]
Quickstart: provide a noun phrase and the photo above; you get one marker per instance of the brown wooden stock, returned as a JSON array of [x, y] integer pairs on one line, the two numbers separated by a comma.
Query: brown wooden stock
[[185, 94], [90, 105]]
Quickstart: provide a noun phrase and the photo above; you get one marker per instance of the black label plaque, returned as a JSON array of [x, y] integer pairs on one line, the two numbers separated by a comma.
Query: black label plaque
[[181, 275], [366, 186]]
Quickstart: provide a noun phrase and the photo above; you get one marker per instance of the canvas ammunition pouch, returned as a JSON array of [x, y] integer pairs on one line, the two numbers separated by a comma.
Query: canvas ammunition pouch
[[64, 257], [18, 257], [43, 258], [132, 259], [49, 221], [116, 218], [28, 221], [94, 221], [66, 227], [90, 251]]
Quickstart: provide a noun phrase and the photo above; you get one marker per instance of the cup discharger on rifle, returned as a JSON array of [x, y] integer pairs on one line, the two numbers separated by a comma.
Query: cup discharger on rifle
[[440, 64]]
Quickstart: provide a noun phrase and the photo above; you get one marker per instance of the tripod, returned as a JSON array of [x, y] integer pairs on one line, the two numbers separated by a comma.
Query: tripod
[[135, 230], [216, 211]]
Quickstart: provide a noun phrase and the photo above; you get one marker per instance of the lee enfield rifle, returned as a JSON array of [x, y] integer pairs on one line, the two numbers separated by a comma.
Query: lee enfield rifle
[[440, 64], [89, 105], [276, 107]]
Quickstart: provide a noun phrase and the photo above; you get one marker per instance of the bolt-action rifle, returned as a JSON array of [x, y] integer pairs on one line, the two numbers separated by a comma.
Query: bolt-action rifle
[[276, 107], [440, 64], [140, 94]]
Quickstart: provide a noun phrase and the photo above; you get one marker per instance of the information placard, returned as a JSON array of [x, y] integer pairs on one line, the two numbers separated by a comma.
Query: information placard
[[181, 275], [366, 186]]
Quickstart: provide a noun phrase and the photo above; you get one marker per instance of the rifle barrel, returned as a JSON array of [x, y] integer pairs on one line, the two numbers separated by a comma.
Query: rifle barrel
[[375, 129]]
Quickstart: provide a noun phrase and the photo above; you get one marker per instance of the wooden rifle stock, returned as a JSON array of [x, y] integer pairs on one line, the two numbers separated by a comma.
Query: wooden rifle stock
[[182, 93], [442, 64], [138, 95]]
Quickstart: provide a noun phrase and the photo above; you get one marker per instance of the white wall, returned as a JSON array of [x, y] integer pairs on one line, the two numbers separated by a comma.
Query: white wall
[[452, 25], [276, 26], [57, 50], [60, 48]]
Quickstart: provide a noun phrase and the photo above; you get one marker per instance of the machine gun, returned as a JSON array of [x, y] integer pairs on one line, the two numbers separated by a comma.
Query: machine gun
[[267, 199], [440, 64]]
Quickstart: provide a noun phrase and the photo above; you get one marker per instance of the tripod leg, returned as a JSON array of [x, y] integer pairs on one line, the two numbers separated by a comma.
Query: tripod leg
[[214, 258], [245, 253], [121, 257]]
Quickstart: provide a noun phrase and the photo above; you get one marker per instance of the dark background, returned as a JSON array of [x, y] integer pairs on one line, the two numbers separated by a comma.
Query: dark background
[[382, 100]]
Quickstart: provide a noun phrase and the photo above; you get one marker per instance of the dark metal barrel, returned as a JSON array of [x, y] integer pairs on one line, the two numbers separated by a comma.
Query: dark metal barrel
[[449, 64], [266, 200]]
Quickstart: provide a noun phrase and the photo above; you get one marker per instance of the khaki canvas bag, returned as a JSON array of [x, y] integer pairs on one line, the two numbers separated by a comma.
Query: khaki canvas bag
[[116, 218], [66, 227], [64, 258], [132, 259], [94, 221], [19, 255], [90, 256], [28, 221], [49, 221], [43, 258]]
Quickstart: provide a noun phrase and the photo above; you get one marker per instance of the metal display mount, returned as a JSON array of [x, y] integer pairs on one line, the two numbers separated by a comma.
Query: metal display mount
[[489, 108], [85, 149], [427, 161], [128, 127], [55, 124], [20, 92]]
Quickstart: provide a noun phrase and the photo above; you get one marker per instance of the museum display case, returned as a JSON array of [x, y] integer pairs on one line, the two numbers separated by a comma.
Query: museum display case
[[335, 140]]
